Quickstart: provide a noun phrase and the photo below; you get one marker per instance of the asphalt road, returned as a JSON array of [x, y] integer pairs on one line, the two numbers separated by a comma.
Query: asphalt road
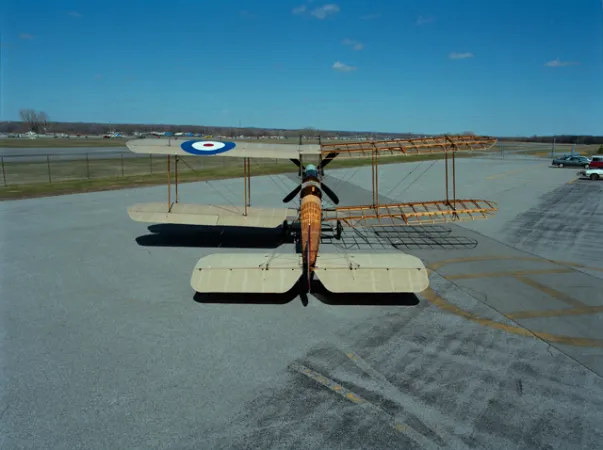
[[103, 344]]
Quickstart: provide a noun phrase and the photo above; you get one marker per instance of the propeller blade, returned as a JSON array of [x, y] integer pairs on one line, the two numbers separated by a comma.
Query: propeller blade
[[298, 164], [292, 194], [327, 190], [330, 157]]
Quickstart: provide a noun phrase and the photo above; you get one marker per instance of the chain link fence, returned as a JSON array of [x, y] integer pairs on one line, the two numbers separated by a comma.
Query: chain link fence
[[53, 168], [29, 168]]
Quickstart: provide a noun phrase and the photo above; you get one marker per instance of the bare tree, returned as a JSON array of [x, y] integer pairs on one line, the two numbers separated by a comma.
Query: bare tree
[[36, 120]]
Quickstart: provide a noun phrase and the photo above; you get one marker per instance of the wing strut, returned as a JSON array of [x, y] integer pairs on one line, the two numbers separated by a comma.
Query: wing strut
[[169, 179], [247, 182], [176, 175], [454, 148], [375, 178]]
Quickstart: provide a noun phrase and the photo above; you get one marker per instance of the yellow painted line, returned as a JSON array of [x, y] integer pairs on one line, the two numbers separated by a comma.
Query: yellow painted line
[[438, 301], [550, 291], [581, 266], [512, 273], [573, 181], [556, 312], [579, 307], [513, 172], [351, 396], [407, 400], [328, 383]]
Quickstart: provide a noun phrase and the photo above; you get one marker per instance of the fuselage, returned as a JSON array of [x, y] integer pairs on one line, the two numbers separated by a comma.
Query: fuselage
[[310, 217]]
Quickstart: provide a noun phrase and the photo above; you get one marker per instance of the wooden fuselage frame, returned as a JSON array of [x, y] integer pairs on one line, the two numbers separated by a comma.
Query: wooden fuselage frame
[[310, 219]]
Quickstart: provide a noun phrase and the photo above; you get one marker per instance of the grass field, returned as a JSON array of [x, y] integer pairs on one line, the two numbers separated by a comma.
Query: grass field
[[26, 180]]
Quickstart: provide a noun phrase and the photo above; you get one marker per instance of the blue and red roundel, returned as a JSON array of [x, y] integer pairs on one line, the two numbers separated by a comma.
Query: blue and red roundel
[[206, 147]]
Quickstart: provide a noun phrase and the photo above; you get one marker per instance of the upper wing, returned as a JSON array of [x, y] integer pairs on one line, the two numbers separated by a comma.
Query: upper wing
[[417, 213], [417, 146], [201, 147]]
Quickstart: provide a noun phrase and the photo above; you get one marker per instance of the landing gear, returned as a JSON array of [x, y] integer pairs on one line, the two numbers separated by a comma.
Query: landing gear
[[292, 232], [286, 230], [338, 230]]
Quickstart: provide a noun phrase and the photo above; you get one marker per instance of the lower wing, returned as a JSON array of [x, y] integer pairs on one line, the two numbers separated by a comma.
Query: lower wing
[[219, 215], [416, 213]]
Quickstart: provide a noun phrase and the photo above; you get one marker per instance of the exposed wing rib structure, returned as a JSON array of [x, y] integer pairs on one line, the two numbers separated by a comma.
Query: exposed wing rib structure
[[402, 147], [416, 213]]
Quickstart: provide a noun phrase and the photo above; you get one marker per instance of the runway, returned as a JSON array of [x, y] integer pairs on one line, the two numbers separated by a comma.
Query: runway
[[103, 344], [22, 155]]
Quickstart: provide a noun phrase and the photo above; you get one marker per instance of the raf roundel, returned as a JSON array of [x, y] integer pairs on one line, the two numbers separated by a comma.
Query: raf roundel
[[206, 147]]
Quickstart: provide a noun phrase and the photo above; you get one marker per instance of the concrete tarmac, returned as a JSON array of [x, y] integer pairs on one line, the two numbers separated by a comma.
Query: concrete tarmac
[[104, 345]]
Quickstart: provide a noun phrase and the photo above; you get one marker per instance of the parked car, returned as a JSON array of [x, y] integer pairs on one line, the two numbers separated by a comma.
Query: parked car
[[593, 174], [596, 162], [572, 160]]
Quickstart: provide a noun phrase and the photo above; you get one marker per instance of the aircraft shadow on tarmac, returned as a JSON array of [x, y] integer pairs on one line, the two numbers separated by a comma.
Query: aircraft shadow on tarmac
[[318, 291], [423, 237], [404, 237], [176, 235]]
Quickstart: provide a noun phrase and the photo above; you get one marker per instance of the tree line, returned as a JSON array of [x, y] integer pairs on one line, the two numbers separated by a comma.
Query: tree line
[[38, 122]]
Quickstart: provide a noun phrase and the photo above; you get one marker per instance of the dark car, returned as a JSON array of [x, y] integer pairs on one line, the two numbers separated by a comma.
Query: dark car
[[572, 160]]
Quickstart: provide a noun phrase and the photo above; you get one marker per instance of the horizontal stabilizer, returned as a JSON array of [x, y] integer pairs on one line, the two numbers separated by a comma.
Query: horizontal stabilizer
[[368, 272], [191, 214], [256, 273]]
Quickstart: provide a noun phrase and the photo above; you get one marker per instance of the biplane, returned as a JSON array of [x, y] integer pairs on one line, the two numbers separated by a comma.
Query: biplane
[[281, 272]]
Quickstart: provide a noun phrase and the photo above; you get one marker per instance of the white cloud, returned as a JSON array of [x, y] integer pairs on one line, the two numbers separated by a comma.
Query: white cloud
[[26, 36], [455, 55], [74, 14], [300, 9], [355, 44], [323, 11], [558, 63], [425, 20], [341, 67]]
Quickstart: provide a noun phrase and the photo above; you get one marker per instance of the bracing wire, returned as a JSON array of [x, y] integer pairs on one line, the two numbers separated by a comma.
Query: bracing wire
[[416, 179], [403, 179], [281, 184], [207, 181]]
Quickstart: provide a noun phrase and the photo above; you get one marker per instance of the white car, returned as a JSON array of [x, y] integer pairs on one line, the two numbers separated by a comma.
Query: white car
[[593, 174]]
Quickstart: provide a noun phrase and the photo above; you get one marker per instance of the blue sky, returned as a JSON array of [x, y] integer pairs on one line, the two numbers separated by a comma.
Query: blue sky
[[500, 68]]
